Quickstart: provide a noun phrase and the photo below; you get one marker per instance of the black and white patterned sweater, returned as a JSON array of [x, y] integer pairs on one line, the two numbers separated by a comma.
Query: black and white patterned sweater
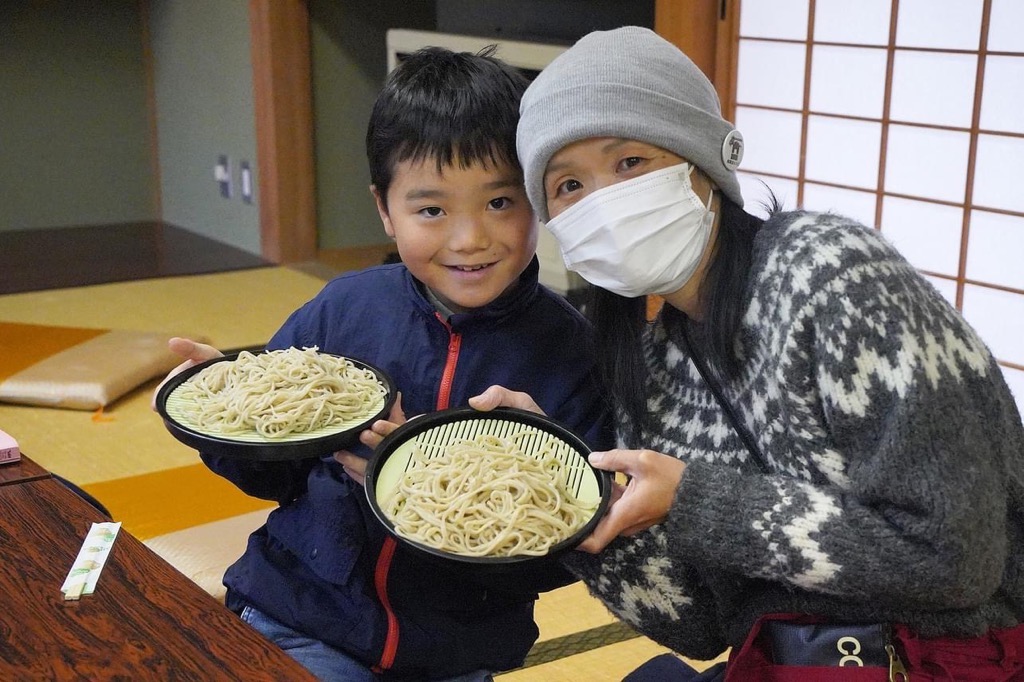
[[896, 453]]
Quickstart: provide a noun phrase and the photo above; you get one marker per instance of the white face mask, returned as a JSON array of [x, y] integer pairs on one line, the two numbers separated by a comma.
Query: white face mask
[[637, 237]]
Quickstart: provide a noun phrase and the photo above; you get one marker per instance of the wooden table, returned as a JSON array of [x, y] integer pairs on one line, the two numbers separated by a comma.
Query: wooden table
[[24, 470], [145, 621]]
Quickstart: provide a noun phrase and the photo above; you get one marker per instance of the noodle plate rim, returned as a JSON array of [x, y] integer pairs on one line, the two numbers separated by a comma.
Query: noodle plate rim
[[172, 406], [427, 423]]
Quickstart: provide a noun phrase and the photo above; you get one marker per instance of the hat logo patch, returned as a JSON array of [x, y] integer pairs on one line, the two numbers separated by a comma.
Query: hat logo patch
[[732, 150]]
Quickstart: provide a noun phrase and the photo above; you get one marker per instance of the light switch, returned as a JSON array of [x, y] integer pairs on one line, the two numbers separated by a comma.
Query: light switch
[[245, 182], [222, 174]]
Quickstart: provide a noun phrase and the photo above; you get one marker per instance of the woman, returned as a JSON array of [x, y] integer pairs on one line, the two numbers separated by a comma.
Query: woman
[[862, 460]]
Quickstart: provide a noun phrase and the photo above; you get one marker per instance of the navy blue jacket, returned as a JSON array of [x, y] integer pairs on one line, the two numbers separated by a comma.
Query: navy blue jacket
[[323, 564]]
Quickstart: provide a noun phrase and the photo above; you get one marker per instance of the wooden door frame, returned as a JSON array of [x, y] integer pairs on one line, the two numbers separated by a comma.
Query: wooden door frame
[[706, 30], [283, 103]]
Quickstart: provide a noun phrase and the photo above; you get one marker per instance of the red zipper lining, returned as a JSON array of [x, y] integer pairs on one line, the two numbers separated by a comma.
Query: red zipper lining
[[454, 343], [387, 552], [387, 656]]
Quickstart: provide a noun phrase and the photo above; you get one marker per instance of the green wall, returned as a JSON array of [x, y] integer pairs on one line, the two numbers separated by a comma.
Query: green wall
[[204, 108], [75, 143], [74, 136], [349, 65]]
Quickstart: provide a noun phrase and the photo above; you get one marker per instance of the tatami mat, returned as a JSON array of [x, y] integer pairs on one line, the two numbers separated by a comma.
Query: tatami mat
[[222, 541], [238, 308], [230, 309], [581, 640], [586, 611], [609, 663], [172, 500], [125, 457]]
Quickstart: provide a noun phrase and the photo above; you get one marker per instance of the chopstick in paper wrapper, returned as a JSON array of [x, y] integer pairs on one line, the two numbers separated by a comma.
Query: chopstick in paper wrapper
[[86, 570]]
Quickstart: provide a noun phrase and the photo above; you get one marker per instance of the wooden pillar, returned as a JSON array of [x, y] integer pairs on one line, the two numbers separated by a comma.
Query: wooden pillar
[[707, 31], [283, 100]]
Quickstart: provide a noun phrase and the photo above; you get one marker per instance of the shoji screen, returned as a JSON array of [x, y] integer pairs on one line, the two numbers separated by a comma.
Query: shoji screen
[[908, 115]]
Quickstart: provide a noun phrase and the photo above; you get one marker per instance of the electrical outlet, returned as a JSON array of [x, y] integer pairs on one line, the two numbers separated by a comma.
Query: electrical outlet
[[222, 174], [245, 182]]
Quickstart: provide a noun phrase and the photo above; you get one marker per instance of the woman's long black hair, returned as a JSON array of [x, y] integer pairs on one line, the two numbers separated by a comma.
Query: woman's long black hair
[[619, 321]]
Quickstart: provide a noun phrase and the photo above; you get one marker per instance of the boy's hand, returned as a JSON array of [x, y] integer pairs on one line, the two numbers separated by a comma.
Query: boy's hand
[[193, 352], [643, 502], [354, 465], [499, 396], [372, 436]]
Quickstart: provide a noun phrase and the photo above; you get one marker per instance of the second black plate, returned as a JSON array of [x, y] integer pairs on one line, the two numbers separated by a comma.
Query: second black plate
[[434, 432], [254, 446]]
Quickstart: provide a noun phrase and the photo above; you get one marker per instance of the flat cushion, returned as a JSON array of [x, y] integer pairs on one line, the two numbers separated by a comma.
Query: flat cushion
[[78, 368]]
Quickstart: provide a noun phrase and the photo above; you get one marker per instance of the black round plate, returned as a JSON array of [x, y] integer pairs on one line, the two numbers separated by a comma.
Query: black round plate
[[265, 449], [391, 458]]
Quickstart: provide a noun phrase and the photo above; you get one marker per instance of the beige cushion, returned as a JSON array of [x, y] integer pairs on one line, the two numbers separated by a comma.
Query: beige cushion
[[76, 368]]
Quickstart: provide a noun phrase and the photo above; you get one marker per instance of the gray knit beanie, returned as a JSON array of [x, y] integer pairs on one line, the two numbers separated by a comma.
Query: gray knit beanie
[[633, 84]]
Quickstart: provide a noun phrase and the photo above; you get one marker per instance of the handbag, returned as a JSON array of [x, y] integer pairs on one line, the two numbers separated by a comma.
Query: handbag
[[789, 647], [805, 648]]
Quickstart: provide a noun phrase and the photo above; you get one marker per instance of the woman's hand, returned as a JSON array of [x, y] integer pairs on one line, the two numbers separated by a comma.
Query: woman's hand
[[354, 465], [499, 396], [193, 352], [643, 502]]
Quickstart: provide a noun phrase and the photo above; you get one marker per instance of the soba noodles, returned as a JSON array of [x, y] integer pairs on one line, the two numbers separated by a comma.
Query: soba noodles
[[280, 392], [485, 497]]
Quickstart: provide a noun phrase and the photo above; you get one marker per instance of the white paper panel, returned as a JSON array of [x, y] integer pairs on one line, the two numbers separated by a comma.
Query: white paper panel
[[755, 193], [998, 316], [927, 162], [837, 21], [995, 249], [1015, 380], [1004, 29], [915, 97], [771, 140], [950, 24], [848, 80], [771, 74], [857, 205], [843, 151], [927, 234], [1002, 100], [946, 287], [774, 19], [999, 173]]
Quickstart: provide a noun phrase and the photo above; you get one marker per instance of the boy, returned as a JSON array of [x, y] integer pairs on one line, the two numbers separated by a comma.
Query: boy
[[463, 311]]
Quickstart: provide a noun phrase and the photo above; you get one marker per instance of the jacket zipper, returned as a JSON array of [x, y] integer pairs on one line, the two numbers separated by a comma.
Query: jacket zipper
[[897, 672], [387, 552], [454, 343]]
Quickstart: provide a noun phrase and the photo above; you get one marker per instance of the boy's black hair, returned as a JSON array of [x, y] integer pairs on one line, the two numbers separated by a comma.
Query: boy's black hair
[[454, 107]]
